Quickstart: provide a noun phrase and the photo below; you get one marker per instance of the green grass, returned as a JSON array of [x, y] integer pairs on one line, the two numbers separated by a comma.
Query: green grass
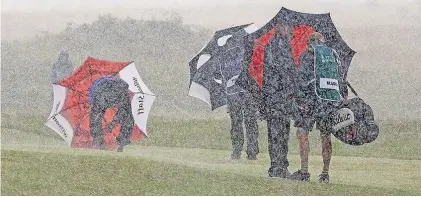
[[80, 172], [191, 158], [397, 140]]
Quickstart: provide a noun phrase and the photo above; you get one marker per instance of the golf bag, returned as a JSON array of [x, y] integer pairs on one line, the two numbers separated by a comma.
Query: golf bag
[[354, 122]]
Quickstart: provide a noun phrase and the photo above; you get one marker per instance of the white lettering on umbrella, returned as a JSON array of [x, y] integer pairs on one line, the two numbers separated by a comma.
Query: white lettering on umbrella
[[141, 108]]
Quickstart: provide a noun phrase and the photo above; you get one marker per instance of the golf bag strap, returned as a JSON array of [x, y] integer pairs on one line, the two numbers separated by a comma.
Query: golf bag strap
[[352, 89]]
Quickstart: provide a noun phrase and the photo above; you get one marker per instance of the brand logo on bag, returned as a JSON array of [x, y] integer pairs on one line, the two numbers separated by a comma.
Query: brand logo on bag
[[342, 118]]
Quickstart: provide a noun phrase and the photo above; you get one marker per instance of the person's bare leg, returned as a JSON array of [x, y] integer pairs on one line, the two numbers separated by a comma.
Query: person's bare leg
[[304, 147], [327, 155]]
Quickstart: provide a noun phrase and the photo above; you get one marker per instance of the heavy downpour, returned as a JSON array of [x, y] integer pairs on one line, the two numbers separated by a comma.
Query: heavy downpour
[[220, 98]]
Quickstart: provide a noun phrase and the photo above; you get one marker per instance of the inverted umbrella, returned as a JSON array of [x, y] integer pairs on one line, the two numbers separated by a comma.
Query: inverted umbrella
[[214, 69], [71, 108]]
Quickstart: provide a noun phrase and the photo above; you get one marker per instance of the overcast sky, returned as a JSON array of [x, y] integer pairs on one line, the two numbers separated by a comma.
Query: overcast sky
[[32, 5], [26, 18]]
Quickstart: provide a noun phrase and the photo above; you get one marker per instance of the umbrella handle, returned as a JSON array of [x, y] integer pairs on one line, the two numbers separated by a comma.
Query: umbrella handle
[[352, 89]]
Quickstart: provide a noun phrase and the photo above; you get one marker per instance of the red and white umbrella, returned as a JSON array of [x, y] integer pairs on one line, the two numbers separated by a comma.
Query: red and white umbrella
[[71, 109]]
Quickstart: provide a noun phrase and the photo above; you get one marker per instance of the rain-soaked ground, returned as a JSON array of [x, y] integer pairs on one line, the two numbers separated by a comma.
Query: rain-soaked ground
[[350, 174]]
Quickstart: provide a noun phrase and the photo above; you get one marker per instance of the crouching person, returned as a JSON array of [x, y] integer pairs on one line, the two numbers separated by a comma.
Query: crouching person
[[321, 92], [106, 92]]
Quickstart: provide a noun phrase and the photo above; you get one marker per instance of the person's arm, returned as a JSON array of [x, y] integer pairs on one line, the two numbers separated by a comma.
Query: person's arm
[[343, 88], [123, 105], [305, 79], [305, 72]]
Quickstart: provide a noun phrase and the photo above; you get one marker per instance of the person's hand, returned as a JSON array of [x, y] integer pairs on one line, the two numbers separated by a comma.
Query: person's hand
[[345, 101], [258, 116], [304, 108]]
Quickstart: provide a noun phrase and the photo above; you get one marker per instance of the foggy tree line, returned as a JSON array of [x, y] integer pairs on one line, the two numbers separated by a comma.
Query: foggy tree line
[[158, 47]]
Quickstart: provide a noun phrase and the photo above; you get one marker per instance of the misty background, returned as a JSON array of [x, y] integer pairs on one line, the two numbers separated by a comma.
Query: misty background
[[162, 36]]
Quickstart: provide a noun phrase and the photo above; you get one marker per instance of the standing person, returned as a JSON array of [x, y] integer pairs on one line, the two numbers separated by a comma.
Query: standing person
[[242, 108], [62, 67], [106, 92], [241, 105], [321, 92], [278, 90]]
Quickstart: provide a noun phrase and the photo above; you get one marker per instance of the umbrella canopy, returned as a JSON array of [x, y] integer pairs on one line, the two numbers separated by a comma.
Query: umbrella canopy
[[280, 43], [71, 108], [214, 69]]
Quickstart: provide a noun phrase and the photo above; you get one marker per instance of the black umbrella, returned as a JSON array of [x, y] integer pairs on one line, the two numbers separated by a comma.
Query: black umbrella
[[214, 69], [274, 50]]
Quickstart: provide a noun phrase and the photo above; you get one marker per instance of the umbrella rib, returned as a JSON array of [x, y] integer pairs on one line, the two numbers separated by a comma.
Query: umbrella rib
[[78, 92], [65, 109], [80, 113], [302, 34], [143, 93]]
